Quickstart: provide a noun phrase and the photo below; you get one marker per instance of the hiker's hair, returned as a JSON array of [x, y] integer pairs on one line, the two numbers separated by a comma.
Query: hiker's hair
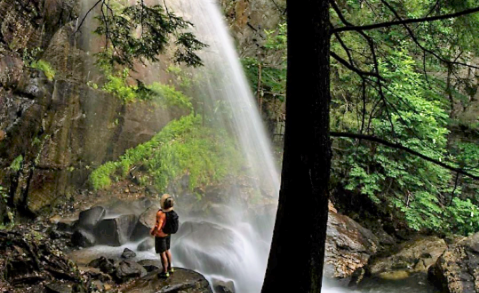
[[169, 202]]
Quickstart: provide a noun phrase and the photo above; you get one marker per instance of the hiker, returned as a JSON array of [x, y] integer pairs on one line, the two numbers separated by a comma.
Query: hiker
[[165, 225]]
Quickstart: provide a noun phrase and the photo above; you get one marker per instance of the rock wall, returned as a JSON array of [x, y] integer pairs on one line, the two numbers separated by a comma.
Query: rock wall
[[57, 131], [249, 18]]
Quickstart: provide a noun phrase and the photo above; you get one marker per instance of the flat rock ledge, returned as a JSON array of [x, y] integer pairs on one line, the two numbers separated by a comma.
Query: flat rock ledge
[[182, 280]]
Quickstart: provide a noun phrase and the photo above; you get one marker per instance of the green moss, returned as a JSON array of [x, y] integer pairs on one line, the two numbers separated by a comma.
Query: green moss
[[101, 177], [16, 165], [183, 147], [45, 67]]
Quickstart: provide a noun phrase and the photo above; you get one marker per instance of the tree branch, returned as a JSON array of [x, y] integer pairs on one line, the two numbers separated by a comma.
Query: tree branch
[[352, 68], [403, 148], [405, 21]]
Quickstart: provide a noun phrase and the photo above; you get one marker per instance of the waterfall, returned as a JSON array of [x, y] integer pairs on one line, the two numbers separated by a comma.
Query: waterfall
[[233, 248]]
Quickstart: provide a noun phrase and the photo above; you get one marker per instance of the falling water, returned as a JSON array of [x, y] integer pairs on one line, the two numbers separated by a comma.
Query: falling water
[[228, 246]]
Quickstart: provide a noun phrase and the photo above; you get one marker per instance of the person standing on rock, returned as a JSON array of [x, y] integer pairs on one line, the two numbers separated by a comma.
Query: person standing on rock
[[165, 225]]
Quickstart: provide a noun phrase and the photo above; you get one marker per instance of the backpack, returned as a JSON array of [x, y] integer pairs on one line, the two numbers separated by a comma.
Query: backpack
[[172, 223]]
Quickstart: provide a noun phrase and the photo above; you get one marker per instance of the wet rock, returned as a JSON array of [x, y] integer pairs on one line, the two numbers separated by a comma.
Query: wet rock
[[457, 270], [115, 231], [128, 270], [106, 265], [348, 246], [58, 287], [151, 264], [83, 238], [221, 286], [145, 222], [182, 280], [147, 244], [89, 219], [128, 253], [413, 256]]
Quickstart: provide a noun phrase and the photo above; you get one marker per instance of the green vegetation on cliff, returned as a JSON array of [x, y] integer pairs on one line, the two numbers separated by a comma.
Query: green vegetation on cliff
[[184, 147], [45, 67]]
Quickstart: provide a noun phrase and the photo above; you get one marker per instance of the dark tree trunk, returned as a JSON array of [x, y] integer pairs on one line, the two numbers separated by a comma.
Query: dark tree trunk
[[297, 252]]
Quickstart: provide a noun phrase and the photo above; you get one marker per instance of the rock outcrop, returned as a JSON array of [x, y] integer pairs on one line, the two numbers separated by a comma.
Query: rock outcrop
[[414, 256], [348, 246], [58, 130], [457, 270]]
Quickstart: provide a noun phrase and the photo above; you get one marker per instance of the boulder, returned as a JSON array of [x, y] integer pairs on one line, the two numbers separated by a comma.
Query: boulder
[[185, 281], [457, 270], [222, 286], [128, 253], [145, 222], [151, 264], [105, 265], [83, 238], [411, 257], [88, 219], [146, 244], [348, 246], [115, 231], [128, 270]]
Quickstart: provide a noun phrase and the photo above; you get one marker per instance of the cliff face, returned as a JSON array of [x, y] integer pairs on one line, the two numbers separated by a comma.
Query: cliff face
[[54, 132], [249, 18]]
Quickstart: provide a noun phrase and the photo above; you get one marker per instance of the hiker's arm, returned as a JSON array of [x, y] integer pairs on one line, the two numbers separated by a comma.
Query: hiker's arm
[[158, 223]]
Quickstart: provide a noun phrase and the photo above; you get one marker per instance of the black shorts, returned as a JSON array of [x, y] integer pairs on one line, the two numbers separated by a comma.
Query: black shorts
[[162, 244]]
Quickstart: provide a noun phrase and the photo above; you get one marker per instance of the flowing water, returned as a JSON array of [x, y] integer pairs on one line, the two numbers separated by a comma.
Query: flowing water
[[229, 245]]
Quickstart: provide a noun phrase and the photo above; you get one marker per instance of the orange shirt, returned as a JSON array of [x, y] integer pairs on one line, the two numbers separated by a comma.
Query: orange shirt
[[157, 231]]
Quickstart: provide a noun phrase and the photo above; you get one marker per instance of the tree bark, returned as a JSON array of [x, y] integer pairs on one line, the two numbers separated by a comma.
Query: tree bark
[[297, 251]]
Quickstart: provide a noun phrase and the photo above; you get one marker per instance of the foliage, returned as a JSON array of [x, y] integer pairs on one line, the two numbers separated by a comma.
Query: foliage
[[163, 95], [408, 187], [408, 106], [45, 67], [140, 32], [183, 147], [16, 164], [273, 70]]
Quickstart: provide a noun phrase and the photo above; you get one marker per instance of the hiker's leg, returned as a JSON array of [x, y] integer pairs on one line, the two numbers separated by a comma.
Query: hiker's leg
[[168, 254], [164, 261]]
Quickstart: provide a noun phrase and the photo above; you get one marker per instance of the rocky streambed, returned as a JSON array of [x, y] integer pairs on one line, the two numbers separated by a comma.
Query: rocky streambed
[[106, 248]]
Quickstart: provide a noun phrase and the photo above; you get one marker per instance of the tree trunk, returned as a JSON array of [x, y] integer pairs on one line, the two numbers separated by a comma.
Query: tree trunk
[[297, 251]]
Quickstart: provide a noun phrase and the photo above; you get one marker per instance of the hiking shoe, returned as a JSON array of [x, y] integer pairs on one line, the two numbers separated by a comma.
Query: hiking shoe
[[163, 275], [171, 270]]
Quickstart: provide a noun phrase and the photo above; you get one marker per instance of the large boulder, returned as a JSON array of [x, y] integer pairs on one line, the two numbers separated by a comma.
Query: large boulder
[[115, 231], [413, 256], [83, 238], [145, 222], [348, 246], [89, 218], [457, 270], [146, 244]]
